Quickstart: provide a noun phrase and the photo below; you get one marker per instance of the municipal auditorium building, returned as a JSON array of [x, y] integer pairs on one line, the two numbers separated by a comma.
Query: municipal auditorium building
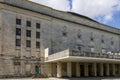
[[60, 44]]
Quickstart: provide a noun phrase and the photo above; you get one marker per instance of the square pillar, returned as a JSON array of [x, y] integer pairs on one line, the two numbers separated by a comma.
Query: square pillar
[[77, 69], [101, 69], [86, 69], [69, 69], [107, 70], [113, 69], [94, 69], [59, 69]]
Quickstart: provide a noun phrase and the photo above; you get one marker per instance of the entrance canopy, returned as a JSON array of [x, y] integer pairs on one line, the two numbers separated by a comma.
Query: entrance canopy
[[82, 56]]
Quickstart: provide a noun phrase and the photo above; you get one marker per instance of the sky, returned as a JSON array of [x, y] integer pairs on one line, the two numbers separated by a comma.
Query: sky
[[104, 11]]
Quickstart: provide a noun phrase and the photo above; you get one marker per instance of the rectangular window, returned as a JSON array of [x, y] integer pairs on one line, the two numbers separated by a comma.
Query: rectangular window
[[18, 42], [37, 25], [102, 41], [37, 44], [18, 31], [92, 49], [28, 33], [28, 23], [18, 21], [28, 43], [37, 34], [103, 50]]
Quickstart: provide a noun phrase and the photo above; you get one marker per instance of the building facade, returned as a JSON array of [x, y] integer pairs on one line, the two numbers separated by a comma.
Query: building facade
[[61, 44]]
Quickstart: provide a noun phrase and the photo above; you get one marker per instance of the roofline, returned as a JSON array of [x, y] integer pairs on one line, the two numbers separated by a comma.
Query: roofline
[[51, 14]]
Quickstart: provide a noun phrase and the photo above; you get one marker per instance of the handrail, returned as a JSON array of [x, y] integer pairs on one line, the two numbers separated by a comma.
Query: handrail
[[71, 52]]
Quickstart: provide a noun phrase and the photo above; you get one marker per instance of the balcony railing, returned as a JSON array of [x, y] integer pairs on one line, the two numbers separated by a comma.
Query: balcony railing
[[71, 52], [93, 54]]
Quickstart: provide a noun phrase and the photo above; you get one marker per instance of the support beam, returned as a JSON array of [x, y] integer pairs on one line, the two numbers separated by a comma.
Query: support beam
[[94, 69], [69, 69], [113, 69], [107, 70], [77, 69], [59, 69], [86, 69]]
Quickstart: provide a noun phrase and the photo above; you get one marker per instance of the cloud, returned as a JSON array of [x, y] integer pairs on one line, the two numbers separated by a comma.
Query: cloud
[[96, 9]]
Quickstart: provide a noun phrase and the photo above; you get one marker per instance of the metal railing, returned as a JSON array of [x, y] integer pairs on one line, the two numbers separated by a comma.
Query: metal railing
[[93, 54], [71, 52]]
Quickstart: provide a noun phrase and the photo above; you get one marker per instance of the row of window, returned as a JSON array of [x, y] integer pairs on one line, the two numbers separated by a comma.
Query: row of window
[[28, 23], [28, 33], [28, 43], [91, 38]]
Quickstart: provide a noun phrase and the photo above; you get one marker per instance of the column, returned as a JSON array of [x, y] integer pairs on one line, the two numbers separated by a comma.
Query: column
[[59, 69], [86, 69], [101, 69], [107, 70], [94, 69], [69, 69], [113, 69], [77, 69]]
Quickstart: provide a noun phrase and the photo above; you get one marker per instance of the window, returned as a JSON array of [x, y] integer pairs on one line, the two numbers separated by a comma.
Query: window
[[79, 47], [64, 34], [102, 41], [18, 42], [37, 25], [112, 43], [92, 49], [28, 43], [18, 21], [37, 34], [91, 39], [92, 36], [79, 36], [18, 31], [103, 50], [37, 44], [28, 33], [28, 24]]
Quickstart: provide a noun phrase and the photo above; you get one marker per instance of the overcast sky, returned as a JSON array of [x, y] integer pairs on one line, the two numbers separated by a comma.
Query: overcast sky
[[103, 11]]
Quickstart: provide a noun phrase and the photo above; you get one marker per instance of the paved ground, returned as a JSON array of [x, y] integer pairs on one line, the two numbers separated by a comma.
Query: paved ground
[[88, 78]]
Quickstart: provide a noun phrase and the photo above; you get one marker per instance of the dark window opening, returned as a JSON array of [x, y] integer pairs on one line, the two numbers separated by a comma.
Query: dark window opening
[[18, 31], [112, 43], [18, 42], [28, 24], [18, 21], [79, 47], [64, 34], [79, 36], [37, 44], [28, 33], [102, 41], [38, 25], [91, 39], [37, 34], [28, 43]]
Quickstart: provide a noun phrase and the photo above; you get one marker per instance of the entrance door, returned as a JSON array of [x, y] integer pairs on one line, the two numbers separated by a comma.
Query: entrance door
[[90, 69], [73, 69], [82, 70]]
